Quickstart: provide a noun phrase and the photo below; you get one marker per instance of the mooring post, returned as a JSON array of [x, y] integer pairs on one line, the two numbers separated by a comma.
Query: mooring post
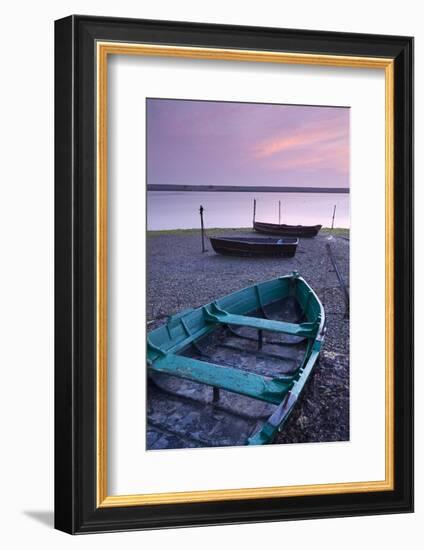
[[334, 214], [254, 211], [202, 228], [279, 212]]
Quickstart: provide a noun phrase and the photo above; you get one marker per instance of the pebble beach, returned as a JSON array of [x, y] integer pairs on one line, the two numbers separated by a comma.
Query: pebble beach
[[180, 276]]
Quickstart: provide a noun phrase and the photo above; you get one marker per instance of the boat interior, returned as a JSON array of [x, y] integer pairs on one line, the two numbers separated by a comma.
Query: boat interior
[[218, 374]]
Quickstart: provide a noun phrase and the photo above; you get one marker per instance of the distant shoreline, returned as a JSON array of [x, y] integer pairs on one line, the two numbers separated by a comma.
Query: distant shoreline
[[246, 188]]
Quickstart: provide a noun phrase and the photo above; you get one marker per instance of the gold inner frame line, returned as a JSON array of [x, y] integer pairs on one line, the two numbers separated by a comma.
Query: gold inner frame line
[[103, 50]]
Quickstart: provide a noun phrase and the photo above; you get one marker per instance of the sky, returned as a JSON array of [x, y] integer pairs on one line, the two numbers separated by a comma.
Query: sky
[[223, 143]]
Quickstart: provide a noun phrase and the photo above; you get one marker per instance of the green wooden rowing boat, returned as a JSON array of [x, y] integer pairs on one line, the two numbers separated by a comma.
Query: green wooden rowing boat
[[255, 348]]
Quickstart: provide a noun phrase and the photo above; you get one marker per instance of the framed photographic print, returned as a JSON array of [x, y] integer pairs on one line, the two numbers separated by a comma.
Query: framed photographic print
[[234, 269]]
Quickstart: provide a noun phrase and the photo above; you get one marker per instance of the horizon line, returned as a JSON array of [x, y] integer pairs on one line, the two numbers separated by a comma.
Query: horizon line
[[246, 188]]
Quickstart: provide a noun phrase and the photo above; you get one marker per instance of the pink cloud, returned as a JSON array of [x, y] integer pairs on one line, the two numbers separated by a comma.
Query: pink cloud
[[322, 144], [303, 137], [333, 157]]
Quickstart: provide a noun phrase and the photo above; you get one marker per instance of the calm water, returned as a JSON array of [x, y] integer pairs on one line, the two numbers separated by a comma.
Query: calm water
[[180, 209]]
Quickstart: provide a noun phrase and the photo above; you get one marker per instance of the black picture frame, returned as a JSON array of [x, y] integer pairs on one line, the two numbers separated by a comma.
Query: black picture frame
[[76, 509]]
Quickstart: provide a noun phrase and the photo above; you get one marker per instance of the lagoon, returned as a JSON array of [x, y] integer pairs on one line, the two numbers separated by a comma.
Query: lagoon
[[180, 209]]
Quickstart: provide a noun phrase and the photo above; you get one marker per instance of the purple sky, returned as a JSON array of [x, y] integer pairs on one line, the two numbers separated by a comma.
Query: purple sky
[[218, 143]]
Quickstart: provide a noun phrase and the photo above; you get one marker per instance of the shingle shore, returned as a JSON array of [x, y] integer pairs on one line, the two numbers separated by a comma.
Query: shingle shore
[[180, 276]]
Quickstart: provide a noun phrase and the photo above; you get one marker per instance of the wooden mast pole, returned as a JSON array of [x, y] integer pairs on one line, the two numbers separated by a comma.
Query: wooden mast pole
[[334, 214], [202, 228]]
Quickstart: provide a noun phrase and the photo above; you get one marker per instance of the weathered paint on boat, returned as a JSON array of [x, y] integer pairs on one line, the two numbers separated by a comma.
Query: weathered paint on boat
[[285, 230], [255, 246], [166, 345]]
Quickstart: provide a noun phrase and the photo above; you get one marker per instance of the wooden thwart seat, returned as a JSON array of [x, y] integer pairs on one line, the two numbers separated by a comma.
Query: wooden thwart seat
[[218, 315], [226, 378]]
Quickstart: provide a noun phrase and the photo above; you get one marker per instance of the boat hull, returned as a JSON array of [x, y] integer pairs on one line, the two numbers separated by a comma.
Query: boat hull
[[251, 246], [306, 231], [230, 372]]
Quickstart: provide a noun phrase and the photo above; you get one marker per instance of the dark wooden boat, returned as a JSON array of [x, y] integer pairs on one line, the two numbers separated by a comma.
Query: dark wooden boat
[[255, 246], [287, 230], [231, 372]]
